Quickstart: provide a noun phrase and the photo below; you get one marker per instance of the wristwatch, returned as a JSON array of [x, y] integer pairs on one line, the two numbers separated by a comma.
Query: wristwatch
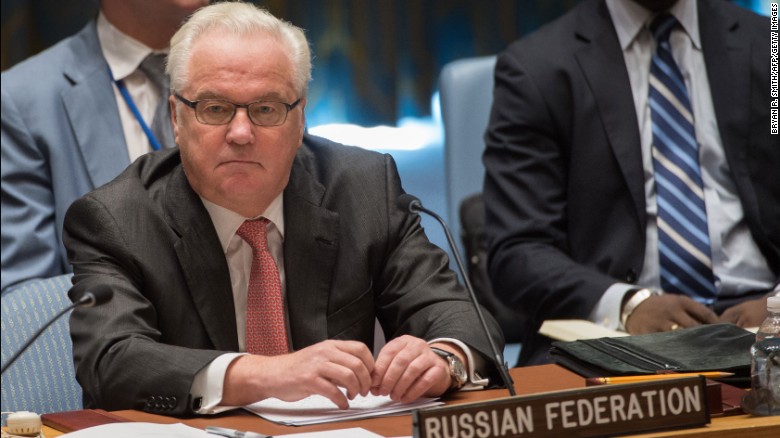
[[457, 369], [638, 298]]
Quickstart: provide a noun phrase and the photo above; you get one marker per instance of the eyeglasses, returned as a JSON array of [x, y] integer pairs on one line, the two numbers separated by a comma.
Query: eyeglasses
[[221, 112]]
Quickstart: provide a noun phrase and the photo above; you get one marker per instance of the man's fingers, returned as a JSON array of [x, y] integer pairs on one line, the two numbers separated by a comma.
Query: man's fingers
[[393, 374], [422, 384], [332, 392], [348, 365], [410, 375], [400, 363], [383, 362], [343, 377], [703, 314], [358, 350]]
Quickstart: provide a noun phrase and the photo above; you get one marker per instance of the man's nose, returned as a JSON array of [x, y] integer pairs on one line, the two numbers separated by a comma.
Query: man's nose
[[240, 128]]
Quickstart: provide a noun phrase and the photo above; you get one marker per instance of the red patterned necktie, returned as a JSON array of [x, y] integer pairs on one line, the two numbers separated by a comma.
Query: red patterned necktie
[[265, 328]]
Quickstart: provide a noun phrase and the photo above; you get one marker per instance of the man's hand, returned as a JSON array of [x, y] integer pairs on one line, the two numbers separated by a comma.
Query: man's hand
[[749, 313], [665, 312], [407, 369], [318, 369]]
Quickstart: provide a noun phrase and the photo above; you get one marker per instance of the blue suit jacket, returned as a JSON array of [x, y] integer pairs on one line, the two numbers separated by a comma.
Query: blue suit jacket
[[61, 137]]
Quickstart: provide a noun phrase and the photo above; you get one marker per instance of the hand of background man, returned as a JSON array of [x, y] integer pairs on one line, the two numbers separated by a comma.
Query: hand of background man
[[666, 312], [749, 313]]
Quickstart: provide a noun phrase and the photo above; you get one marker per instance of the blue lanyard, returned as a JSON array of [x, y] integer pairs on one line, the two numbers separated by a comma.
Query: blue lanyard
[[129, 100]]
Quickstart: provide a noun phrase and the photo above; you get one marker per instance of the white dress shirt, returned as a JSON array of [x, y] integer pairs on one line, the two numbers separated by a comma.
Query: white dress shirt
[[123, 55], [208, 383], [738, 264]]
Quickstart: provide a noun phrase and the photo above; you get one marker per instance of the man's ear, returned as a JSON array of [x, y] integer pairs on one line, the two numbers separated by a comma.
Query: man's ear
[[302, 104], [174, 121]]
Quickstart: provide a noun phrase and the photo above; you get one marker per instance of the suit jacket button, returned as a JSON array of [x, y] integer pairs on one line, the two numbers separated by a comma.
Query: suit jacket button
[[631, 275]]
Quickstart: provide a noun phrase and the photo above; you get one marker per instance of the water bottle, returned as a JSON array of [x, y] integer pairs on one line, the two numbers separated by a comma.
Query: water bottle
[[770, 328], [764, 396]]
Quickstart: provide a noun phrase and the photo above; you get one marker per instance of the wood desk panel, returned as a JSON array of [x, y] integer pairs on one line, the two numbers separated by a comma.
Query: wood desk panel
[[529, 380]]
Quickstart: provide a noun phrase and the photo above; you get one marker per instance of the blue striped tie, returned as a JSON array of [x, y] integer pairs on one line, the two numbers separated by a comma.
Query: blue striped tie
[[683, 239]]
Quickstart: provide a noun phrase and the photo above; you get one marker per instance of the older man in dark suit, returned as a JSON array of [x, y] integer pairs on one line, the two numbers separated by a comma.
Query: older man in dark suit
[[253, 261], [583, 122]]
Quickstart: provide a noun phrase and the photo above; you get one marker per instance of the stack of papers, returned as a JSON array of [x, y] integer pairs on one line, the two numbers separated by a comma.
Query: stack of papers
[[317, 409], [179, 430], [139, 430], [576, 329]]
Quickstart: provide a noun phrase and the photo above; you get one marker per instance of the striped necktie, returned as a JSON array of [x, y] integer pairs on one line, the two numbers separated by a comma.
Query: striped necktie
[[266, 332], [154, 68], [683, 237]]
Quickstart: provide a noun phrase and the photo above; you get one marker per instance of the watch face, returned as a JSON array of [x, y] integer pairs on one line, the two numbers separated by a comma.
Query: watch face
[[458, 370]]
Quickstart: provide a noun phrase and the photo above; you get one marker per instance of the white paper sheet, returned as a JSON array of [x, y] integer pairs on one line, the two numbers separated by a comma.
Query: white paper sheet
[[354, 432], [179, 430], [575, 329], [317, 409], [139, 430]]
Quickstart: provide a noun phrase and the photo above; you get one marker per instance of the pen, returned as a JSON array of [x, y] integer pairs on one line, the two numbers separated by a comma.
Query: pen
[[632, 379], [232, 433]]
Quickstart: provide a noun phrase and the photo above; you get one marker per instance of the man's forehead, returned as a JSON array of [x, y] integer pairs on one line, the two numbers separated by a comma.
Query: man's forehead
[[247, 55], [255, 49], [218, 33]]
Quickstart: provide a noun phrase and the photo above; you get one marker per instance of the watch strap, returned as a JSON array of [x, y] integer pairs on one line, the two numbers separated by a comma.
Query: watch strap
[[636, 299]]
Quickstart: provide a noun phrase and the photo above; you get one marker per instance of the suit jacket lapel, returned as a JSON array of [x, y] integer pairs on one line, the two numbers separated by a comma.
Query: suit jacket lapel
[[91, 109], [727, 58], [310, 250], [602, 63], [202, 261]]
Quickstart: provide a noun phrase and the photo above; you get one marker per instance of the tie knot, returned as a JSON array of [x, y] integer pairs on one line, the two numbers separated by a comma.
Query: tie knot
[[154, 68], [254, 233], [662, 26]]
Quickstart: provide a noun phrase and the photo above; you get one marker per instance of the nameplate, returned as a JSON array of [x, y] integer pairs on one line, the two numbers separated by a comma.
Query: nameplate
[[585, 412]]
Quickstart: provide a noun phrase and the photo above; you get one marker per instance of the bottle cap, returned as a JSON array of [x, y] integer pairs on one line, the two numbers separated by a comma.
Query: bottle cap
[[773, 304]]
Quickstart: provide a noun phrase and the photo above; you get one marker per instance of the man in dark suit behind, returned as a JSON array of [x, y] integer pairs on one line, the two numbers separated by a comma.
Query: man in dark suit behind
[[165, 236], [570, 191]]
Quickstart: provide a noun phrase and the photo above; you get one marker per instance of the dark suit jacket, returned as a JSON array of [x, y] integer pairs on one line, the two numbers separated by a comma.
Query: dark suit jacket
[[564, 185], [350, 255]]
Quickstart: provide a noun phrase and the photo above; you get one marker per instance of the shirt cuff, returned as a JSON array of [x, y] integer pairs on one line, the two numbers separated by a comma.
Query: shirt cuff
[[607, 310], [208, 384], [474, 362]]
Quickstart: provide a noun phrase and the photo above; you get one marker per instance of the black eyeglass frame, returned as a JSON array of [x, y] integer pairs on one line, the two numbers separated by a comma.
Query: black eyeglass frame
[[194, 104]]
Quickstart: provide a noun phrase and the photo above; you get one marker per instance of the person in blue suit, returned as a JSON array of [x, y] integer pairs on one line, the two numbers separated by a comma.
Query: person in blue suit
[[66, 128]]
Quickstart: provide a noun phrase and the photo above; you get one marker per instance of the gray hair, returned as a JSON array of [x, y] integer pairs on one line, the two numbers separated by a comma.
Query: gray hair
[[239, 19]]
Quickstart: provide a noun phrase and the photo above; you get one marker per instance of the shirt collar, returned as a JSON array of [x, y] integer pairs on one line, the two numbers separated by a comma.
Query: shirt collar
[[227, 222], [629, 18], [122, 53]]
